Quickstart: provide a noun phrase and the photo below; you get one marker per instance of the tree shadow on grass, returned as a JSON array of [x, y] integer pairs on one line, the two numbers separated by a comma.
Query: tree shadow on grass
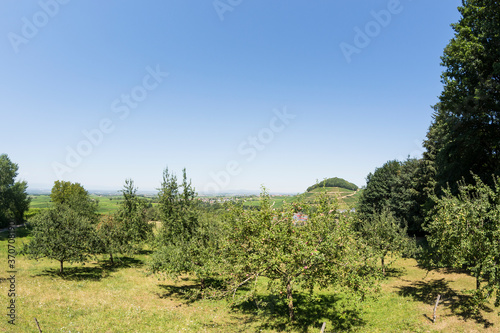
[[121, 262], [182, 292], [310, 312], [77, 273], [189, 293], [460, 305], [93, 273], [394, 272]]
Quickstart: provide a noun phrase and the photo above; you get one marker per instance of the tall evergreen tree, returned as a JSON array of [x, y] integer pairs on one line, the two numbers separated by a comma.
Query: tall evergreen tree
[[465, 133], [396, 186]]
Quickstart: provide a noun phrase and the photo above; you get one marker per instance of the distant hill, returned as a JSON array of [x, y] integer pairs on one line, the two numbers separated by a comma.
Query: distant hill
[[334, 182]]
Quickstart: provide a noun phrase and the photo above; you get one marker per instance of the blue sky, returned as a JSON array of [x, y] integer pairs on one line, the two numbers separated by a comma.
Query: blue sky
[[240, 93]]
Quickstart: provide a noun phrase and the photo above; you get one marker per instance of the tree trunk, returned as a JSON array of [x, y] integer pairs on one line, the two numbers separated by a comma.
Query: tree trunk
[[478, 278], [435, 309], [383, 265], [111, 258], [202, 284], [289, 296], [61, 269]]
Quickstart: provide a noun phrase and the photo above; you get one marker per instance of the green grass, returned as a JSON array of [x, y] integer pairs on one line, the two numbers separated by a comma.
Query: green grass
[[278, 200], [97, 297], [107, 204], [40, 201]]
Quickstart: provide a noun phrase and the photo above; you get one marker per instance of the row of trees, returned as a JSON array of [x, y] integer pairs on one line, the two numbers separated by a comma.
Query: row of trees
[[452, 194], [231, 250], [228, 250], [72, 230]]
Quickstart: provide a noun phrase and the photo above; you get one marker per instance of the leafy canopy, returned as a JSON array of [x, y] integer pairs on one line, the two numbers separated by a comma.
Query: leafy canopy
[[288, 253], [464, 232], [14, 200], [187, 237], [75, 197], [62, 234], [399, 187]]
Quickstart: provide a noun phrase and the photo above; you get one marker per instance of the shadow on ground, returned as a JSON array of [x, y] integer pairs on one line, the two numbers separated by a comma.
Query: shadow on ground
[[272, 311], [310, 312], [394, 272], [189, 293], [186, 292], [460, 305], [93, 272]]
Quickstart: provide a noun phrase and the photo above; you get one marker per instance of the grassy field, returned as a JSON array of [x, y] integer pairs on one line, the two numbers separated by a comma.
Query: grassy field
[[110, 204], [97, 297], [107, 204], [40, 201], [279, 200]]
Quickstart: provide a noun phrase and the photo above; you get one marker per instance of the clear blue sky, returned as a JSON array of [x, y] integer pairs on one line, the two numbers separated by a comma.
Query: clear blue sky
[[101, 66]]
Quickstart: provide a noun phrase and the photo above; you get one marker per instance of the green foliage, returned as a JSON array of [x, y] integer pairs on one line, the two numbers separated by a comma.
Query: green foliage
[[379, 187], [64, 192], [125, 231], [14, 200], [112, 237], [75, 197], [133, 214], [65, 232], [177, 205], [20, 202], [62, 234], [398, 186], [188, 237], [334, 182], [465, 133], [385, 235], [271, 244], [464, 232], [32, 212]]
